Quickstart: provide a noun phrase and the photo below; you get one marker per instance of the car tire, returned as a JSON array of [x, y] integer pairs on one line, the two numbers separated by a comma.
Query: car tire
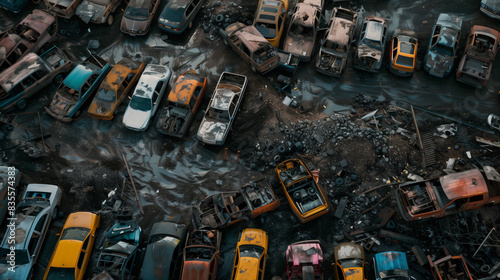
[[58, 79], [21, 104], [109, 20], [190, 25]]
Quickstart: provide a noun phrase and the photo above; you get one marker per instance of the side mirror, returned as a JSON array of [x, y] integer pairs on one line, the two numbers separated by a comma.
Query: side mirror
[[129, 97], [58, 234]]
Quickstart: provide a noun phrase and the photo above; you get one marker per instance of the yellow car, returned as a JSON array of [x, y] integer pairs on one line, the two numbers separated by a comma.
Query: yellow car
[[349, 261], [115, 87], [403, 55], [250, 255], [74, 248], [270, 19]]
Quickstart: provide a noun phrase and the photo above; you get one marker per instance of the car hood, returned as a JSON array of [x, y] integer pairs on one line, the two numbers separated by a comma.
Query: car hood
[[87, 11], [20, 271], [438, 64], [212, 131], [134, 25], [366, 52], [136, 119]]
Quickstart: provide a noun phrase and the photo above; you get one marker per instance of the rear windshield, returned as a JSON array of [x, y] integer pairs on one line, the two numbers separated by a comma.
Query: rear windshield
[[58, 273], [404, 60]]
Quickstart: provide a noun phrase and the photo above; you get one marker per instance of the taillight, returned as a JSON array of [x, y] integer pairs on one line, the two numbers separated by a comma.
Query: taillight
[[485, 82], [459, 73], [177, 30]]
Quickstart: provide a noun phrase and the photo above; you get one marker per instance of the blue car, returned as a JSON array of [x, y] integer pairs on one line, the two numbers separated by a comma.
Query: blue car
[[443, 45], [13, 5], [119, 251], [77, 88], [391, 265], [178, 15]]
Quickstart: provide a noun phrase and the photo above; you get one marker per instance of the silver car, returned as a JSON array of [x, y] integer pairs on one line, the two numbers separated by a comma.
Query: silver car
[[26, 230], [146, 97]]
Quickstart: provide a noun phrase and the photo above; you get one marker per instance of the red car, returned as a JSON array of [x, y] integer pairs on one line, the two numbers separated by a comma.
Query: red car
[[304, 260]]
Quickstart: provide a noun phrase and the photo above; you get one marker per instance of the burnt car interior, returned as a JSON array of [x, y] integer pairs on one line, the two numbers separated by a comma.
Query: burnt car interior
[[421, 200], [201, 245], [452, 269]]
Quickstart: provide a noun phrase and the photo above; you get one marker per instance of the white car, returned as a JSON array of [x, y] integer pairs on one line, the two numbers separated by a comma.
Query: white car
[[146, 97], [33, 215]]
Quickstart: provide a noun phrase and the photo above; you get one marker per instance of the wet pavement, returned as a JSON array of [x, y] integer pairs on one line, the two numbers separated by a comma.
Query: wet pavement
[[171, 175]]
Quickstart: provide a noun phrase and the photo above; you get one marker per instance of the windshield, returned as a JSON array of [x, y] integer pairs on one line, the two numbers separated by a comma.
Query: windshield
[[136, 13], [250, 251], [21, 256], [75, 233], [106, 95], [442, 50], [173, 15], [140, 103], [396, 274], [372, 44], [404, 60], [58, 273], [219, 115], [347, 263]]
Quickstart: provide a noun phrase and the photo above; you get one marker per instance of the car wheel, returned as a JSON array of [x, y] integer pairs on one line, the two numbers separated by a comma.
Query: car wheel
[[21, 104], [254, 69], [58, 79], [110, 19], [190, 25]]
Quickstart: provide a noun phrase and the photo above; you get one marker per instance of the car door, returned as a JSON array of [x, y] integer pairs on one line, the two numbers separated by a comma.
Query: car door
[[36, 240]]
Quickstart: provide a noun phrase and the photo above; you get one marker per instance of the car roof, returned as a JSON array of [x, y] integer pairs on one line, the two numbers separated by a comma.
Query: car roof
[[301, 252], [464, 183], [448, 36], [222, 98], [196, 270], [374, 30], [253, 236], [252, 38], [80, 219], [151, 264], [271, 4], [338, 32], [449, 20], [149, 78], [38, 20], [304, 14], [67, 253], [79, 75], [184, 88], [348, 250], [142, 4], [116, 76], [391, 261], [20, 70], [248, 268]]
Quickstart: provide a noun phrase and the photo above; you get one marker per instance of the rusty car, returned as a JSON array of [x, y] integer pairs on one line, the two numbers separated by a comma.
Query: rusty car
[[34, 32], [303, 28], [480, 52], [449, 267], [31, 74], [250, 255], [62, 8], [270, 19], [335, 49], [301, 190], [80, 83], [223, 209], [222, 108], [146, 97], [97, 11], [448, 194], [138, 16], [403, 53], [183, 102], [120, 80], [304, 260], [443, 45], [251, 46], [371, 44], [349, 261], [201, 255], [178, 15]]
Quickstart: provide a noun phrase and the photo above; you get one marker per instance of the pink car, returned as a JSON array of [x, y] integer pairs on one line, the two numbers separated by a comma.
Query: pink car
[[304, 260]]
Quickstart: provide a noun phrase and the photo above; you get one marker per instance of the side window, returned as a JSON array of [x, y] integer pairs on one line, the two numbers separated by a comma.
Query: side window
[[190, 9], [192, 102], [159, 86], [127, 80], [232, 107], [121, 88], [28, 81], [197, 92], [80, 260], [394, 47], [476, 198], [86, 244], [245, 49], [195, 2], [364, 27], [41, 222], [93, 78], [340, 273], [40, 74], [85, 87], [280, 20], [155, 97], [16, 90]]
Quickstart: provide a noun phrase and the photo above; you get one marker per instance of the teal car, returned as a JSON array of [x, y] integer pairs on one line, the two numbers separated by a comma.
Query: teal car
[[77, 88]]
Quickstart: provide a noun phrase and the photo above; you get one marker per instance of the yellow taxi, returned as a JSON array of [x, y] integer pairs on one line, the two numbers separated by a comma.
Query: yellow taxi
[[270, 19], [250, 255], [74, 248], [115, 87], [349, 261], [403, 55]]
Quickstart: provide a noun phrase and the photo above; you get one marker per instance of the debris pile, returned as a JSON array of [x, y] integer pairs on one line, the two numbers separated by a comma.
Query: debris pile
[[222, 13]]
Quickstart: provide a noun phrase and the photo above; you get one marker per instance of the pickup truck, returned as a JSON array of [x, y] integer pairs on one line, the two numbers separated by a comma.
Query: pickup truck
[[480, 51], [449, 194], [251, 46], [336, 45]]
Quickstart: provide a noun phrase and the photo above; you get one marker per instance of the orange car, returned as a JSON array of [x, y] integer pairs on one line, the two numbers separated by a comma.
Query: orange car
[[301, 190], [183, 102], [201, 255], [250, 255], [115, 87], [403, 54], [74, 248]]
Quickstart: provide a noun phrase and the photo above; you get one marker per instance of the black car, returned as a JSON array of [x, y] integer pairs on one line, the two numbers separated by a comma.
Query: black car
[[178, 15], [161, 260]]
